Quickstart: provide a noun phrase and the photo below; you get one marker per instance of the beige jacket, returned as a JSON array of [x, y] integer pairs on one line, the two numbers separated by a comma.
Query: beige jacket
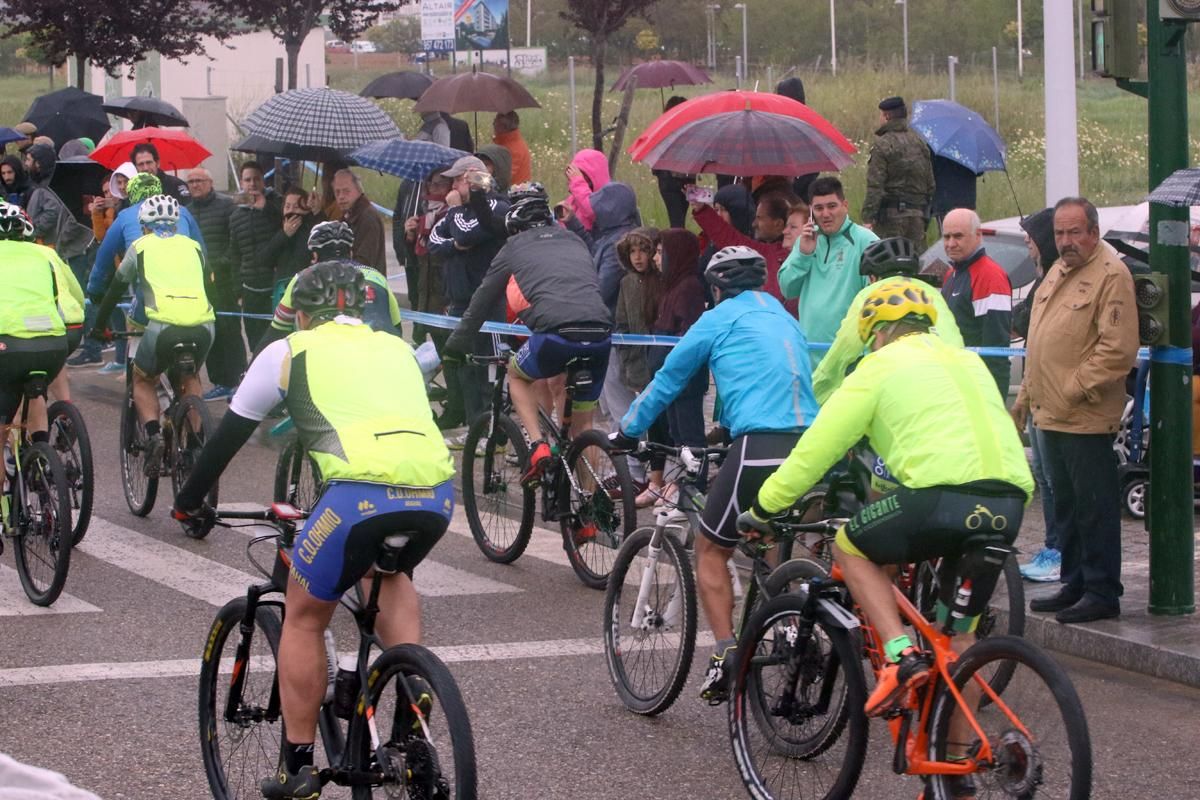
[[1083, 340]]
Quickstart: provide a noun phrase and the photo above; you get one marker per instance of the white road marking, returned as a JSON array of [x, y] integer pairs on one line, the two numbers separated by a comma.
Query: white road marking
[[14, 603], [544, 544]]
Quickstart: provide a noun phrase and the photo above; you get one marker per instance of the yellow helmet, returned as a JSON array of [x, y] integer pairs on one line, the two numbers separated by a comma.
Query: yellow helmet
[[894, 300]]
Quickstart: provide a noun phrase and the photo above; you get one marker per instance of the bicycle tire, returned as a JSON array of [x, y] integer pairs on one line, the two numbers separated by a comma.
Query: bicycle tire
[[649, 701], [42, 549], [449, 720], [297, 479], [499, 476], [253, 742], [188, 442], [597, 512], [759, 765], [140, 490], [69, 438], [1013, 749]]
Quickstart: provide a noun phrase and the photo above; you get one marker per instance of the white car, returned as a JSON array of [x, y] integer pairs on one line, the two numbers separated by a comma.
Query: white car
[[363, 46]]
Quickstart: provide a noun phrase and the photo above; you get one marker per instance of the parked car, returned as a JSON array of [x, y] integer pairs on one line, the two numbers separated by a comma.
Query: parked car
[[337, 46], [363, 46]]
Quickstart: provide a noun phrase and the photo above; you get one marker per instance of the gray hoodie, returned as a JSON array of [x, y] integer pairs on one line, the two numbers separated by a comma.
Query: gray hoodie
[[502, 161], [52, 221]]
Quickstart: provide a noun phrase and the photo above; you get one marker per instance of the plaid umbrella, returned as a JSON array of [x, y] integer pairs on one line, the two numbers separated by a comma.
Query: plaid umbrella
[[405, 158], [321, 118], [747, 143], [662, 74], [475, 91], [176, 149], [959, 134], [1181, 189]]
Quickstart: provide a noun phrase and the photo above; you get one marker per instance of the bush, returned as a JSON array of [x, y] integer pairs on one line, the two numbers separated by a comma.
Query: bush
[[401, 35]]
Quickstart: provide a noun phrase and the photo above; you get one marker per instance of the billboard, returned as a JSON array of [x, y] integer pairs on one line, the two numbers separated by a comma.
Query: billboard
[[437, 24], [481, 24]]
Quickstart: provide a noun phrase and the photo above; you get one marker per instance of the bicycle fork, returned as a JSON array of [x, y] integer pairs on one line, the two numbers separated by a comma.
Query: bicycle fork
[[800, 639], [644, 619]]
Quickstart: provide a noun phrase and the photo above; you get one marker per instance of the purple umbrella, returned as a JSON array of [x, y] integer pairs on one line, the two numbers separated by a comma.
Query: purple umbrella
[[662, 74]]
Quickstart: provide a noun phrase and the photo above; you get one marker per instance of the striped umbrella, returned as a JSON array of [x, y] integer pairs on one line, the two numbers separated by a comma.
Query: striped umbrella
[[405, 158], [324, 118]]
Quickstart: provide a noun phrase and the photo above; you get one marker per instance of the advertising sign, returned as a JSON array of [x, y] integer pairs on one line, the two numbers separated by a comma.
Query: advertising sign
[[437, 25], [481, 24]]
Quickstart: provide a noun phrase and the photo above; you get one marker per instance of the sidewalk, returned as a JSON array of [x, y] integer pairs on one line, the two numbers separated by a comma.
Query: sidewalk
[[1162, 647]]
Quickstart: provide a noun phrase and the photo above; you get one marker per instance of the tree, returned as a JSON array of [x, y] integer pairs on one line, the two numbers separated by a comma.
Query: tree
[[114, 33], [601, 19], [401, 35]]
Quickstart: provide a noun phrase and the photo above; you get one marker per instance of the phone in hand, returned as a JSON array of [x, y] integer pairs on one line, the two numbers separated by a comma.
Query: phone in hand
[[698, 194]]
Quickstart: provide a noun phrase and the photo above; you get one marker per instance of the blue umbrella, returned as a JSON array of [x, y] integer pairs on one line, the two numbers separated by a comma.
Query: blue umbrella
[[9, 135], [405, 158], [959, 134]]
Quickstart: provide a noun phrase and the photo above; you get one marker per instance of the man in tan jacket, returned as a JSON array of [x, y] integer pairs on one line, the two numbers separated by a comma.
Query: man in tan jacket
[[1083, 340]]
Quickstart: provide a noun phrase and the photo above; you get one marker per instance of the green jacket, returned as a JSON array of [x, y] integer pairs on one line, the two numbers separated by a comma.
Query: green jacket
[[900, 170]]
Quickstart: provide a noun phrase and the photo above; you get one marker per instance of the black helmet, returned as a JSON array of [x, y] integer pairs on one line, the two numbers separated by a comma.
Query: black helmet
[[894, 256], [328, 288], [331, 239], [735, 269], [529, 208]]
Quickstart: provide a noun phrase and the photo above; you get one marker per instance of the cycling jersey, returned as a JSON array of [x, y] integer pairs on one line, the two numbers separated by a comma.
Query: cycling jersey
[[70, 293], [169, 271], [29, 297], [381, 311], [125, 230]]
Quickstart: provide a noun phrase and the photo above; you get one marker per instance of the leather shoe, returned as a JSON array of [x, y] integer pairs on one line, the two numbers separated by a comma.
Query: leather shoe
[[1088, 609], [1055, 602]]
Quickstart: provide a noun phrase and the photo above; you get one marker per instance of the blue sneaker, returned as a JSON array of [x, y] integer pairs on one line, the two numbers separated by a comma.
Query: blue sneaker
[[218, 393], [1045, 567], [112, 368]]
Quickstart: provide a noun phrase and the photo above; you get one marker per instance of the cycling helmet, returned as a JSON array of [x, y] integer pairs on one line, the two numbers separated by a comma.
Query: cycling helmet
[[892, 301], [894, 256], [329, 288], [331, 239], [141, 186], [159, 210], [14, 223], [735, 269], [529, 208]]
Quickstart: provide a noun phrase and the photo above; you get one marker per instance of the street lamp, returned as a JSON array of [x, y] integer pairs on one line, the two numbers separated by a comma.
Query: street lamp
[[832, 39], [745, 50], [904, 3], [711, 10], [528, 22]]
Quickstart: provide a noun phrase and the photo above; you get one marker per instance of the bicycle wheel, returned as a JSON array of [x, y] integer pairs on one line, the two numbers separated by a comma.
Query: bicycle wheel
[[1037, 731], [431, 758], [43, 524], [297, 479], [70, 440], [795, 712], [649, 662], [241, 747], [193, 427], [596, 521], [499, 510], [140, 490]]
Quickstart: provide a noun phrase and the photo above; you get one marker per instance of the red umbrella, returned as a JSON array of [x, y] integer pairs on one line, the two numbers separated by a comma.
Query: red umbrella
[[724, 102], [662, 74], [176, 149]]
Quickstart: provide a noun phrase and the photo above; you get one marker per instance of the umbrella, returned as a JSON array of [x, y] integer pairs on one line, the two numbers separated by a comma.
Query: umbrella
[[176, 149], [404, 85], [959, 134], [69, 114], [146, 112], [320, 118], [405, 158], [1181, 189], [747, 143], [75, 177], [662, 74], [261, 144], [9, 135], [475, 91]]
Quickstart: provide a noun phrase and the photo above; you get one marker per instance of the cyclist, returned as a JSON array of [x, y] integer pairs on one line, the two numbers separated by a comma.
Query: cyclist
[[386, 470], [170, 301], [554, 271], [932, 412], [759, 359]]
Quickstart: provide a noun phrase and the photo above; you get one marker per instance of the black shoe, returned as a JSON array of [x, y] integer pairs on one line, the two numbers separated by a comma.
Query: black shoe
[[715, 688], [1088, 609], [83, 358], [1055, 602], [304, 785], [152, 466], [406, 721]]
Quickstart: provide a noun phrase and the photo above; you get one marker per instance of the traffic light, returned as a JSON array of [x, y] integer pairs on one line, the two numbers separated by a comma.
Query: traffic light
[[1150, 290], [1115, 49]]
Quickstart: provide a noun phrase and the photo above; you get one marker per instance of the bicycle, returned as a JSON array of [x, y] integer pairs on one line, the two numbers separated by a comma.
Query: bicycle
[[297, 477], [801, 649], [584, 489], [70, 440], [423, 754], [39, 507], [186, 426]]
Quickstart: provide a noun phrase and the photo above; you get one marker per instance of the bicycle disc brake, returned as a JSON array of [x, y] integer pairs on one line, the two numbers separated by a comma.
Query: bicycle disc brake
[[1018, 768]]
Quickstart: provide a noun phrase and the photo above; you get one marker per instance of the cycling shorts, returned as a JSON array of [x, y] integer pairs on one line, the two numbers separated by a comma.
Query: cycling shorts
[[545, 355], [751, 459], [342, 537], [156, 351], [18, 358], [74, 337]]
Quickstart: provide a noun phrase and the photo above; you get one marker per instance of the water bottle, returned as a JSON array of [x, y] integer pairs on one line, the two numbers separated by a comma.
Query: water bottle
[[962, 599], [331, 664]]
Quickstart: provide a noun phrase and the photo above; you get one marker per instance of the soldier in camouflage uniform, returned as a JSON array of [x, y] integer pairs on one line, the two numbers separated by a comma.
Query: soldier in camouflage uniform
[[899, 178]]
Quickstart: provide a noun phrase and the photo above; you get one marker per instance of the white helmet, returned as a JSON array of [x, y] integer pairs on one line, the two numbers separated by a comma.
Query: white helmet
[[14, 223], [158, 208]]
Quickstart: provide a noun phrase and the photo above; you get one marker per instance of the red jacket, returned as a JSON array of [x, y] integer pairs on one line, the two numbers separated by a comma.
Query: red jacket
[[722, 234]]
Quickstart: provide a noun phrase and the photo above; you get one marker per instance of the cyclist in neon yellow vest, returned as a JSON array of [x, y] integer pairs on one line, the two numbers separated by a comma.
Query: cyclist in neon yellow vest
[[385, 468], [170, 301]]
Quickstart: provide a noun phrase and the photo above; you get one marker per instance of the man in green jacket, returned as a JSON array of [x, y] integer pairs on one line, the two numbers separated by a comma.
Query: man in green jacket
[[899, 178]]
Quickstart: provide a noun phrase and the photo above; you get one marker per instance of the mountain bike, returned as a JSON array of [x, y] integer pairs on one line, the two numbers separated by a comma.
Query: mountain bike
[[803, 651], [39, 507], [186, 426], [297, 477], [587, 491], [70, 440], [376, 737]]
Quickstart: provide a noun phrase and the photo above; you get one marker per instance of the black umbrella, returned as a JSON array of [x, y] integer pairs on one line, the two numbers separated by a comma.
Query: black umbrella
[[404, 85], [69, 114], [75, 177], [146, 111], [303, 152]]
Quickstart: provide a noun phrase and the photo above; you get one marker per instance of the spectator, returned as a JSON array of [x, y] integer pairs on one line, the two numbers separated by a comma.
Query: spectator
[[14, 181], [422, 268], [103, 211], [822, 268], [29, 131], [214, 212], [793, 87], [766, 184], [75, 148], [1083, 340], [53, 224], [978, 292], [324, 201], [671, 185], [507, 130], [899, 178], [734, 204], [145, 159], [616, 211], [287, 251], [252, 224], [499, 163], [587, 173], [953, 187], [434, 128], [460, 133], [363, 219]]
